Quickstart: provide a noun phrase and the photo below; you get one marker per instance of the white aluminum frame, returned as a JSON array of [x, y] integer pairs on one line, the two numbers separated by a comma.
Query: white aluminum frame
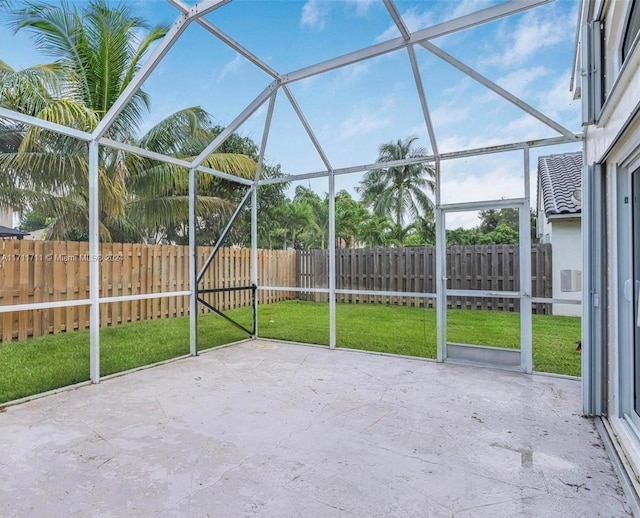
[[523, 295], [196, 13]]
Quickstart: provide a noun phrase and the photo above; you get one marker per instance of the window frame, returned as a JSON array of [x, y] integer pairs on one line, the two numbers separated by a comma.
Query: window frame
[[632, 9]]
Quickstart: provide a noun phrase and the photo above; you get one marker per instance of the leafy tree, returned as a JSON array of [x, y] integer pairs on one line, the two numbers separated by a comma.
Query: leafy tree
[[294, 217], [501, 235], [350, 215], [423, 233], [315, 234], [491, 219], [270, 198], [35, 219], [97, 51], [376, 231], [399, 193]]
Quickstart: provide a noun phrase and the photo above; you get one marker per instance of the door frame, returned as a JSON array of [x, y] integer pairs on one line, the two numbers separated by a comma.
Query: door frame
[[625, 311]]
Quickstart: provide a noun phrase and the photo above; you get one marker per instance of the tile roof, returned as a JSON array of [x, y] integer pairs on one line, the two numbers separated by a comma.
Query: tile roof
[[560, 176]]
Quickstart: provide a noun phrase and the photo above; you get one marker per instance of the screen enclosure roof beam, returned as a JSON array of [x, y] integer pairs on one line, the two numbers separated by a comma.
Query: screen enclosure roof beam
[[498, 90], [500, 148], [152, 61], [208, 26], [441, 29]]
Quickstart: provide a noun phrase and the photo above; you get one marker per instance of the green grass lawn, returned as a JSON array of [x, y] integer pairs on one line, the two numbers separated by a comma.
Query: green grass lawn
[[412, 331], [50, 362]]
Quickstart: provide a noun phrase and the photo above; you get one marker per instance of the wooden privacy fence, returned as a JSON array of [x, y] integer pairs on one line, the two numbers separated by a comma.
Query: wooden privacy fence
[[41, 271], [478, 267], [46, 271]]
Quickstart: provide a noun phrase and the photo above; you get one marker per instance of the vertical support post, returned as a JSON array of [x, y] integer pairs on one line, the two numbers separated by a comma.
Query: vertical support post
[[587, 290], [594, 290], [332, 260], [193, 266], [254, 309], [254, 211], [94, 265], [526, 321], [254, 257], [441, 274]]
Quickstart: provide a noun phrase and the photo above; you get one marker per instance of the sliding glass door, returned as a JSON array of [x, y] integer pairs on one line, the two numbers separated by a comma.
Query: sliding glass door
[[635, 281]]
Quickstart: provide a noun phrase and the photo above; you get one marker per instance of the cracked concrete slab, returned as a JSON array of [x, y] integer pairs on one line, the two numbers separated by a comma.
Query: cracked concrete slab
[[269, 429]]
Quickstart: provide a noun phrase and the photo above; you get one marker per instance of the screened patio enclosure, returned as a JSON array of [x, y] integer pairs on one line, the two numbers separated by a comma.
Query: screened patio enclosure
[[413, 45]]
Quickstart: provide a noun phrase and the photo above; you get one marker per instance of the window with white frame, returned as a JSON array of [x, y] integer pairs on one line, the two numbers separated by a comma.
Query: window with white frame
[[631, 31]]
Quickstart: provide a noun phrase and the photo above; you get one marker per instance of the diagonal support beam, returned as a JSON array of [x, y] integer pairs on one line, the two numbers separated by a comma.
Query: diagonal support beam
[[150, 64], [223, 236], [208, 26], [307, 127], [441, 29], [265, 135], [423, 102], [235, 124], [198, 10], [397, 19], [221, 314], [498, 89]]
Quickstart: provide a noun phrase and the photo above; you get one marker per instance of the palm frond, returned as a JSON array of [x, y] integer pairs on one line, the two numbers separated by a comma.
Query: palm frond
[[166, 211]]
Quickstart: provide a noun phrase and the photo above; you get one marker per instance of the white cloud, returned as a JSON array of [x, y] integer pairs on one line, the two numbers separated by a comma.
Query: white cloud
[[361, 123], [482, 178], [468, 6], [420, 131], [535, 31], [450, 113], [482, 141], [352, 72], [314, 14], [558, 100], [413, 19], [527, 127], [416, 20], [520, 82], [520, 129], [231, 67], [361, 6]]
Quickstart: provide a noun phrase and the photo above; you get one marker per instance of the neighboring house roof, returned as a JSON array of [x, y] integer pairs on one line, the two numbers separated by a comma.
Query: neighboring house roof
[[12, 232], [559, 177]]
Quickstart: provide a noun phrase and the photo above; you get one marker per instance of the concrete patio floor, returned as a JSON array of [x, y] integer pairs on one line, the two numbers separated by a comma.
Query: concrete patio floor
[[272, 429]]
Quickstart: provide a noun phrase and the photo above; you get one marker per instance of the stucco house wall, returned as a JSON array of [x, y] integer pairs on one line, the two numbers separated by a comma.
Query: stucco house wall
[[567, 255], [559, 224], [612, 145]]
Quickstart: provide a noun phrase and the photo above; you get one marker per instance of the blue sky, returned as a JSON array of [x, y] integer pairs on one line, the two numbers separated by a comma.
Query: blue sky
[[355, 109]]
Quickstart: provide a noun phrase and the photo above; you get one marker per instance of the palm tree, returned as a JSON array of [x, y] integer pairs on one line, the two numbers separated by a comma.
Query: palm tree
[[376, 231], [159, 191], [27, 91], [399, 192], [97, 52], [315, 234], [293, 218]]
